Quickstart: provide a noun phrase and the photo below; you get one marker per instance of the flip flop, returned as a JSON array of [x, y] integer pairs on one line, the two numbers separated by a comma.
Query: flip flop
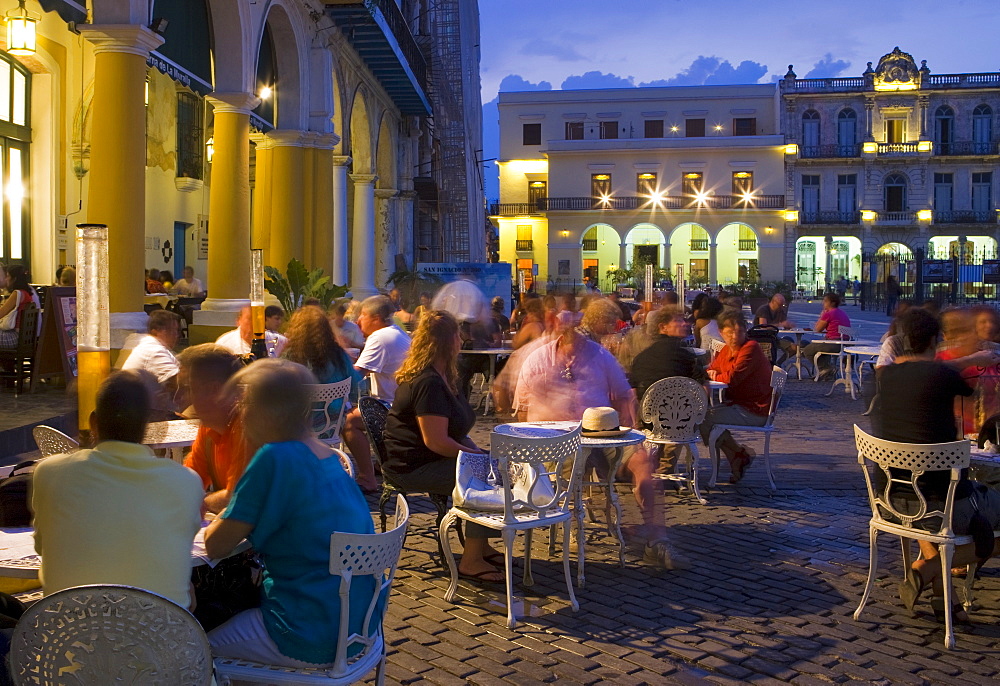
[[480, 577], [495, 558], [911, 588]]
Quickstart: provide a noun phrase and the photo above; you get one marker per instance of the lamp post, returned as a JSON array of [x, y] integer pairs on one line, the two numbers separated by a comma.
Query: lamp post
[[93, 338], [258, 348]]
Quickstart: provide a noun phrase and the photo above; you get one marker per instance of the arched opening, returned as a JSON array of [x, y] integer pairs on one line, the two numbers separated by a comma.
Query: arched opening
[[689, 244], [845, 258], [360, 143], [644, 244], [809, 261], [601, 253], [944, 129], [737, 254], [847, 133], [894, 193], [266, 80], [385, 157], [896, 249]]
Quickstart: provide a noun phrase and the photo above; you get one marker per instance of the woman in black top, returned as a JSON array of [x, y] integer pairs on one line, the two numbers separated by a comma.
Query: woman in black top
[[429, 424]]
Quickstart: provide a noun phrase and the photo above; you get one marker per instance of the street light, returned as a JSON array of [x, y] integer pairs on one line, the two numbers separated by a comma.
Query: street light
[[21, 31]]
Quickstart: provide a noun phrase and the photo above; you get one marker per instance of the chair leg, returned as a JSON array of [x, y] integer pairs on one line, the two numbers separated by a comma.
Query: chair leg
[[949, 621], [566, 571], [907, 555], [380, 670], [693, 472], [382, 502], [508, 559], [527, 579], [449, 557], [767, 460], [872, 569], [552, 539], [577, 524], [713, 451], [967, 590], [441, 505]]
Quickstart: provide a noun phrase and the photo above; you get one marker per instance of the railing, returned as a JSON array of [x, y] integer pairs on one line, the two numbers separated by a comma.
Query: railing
[[590, 244], [856, 83], [963, 80], [404, 37], [895, 217], [511, 209], [826, 151], [829, 217], [965, 217], [965, 148], [841, 84], [747, 244], [699, 244], [522, 244], [897, 148], [667, 202]]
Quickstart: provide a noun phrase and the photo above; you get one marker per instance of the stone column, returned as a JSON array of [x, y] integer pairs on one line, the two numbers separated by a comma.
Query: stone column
[[308, 195], [622, 255], [666, 259], [287, 198], [117, 184], [386, 240], [229, 204], [713, 263], [827, 262], [341, 256], [260, 236], [363, 247], [869, 119], [923, 101], [405, 242], [322, 223]]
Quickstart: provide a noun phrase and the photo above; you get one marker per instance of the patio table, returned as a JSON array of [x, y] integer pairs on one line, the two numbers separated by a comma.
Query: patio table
[[984, 467], [845, 371], [619, 443], [172, 435], [798, 333], [494, 354]]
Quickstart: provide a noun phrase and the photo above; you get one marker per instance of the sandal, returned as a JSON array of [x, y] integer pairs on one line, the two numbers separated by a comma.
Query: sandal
[[958, 613], [495, 558], [480, 577], [741, 460], [911, 588]]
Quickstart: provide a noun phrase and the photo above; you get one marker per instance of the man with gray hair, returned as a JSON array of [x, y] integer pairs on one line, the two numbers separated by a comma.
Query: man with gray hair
[[386, 346]]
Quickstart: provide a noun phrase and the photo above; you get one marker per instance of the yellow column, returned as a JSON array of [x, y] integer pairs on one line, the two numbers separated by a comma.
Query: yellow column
[[308, 196], [261, 223], [287, 196], [117, 192], [322, 223], [229, 204]]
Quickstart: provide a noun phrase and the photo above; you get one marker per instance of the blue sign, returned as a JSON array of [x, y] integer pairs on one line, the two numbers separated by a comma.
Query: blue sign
[[493, 278]]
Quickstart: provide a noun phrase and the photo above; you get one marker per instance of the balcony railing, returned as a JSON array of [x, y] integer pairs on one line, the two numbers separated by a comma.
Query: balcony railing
[[896, 217], [897, 148], [523, 244], [512, 209], [965, 217], [699, 244], [747, 244], [965, 148], [963, 80], [667, 202], [857, 83], [853, 83], [829, 151], [829, 217], [590, 244]]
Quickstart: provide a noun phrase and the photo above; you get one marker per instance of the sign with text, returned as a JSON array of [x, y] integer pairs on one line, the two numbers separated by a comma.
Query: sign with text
[[493, 278], [939, 271], [991, 271]]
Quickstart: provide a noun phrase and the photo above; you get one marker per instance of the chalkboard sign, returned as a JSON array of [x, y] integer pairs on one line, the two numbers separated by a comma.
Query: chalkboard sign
[[56, 354]]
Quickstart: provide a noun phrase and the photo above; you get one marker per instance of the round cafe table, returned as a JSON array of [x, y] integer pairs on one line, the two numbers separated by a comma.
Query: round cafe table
[[613, 508]]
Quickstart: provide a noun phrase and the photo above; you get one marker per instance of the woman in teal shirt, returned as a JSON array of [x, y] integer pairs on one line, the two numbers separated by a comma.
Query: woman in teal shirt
[[293, 495]]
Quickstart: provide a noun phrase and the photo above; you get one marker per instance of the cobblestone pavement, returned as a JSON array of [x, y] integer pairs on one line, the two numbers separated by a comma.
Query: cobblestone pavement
[[774, 581]]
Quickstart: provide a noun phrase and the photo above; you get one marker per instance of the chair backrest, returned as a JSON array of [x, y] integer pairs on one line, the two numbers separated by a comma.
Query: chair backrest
[[848, 333], [345, 461], [716, 346], [532, 467], [675, 406], [779, 377], [109, 635], [915, 458], [375, 555], [373, 414], [52, 441], [27, 334], [326, 426]]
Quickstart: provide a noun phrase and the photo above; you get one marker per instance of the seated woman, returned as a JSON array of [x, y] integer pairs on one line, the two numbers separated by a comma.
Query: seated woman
[[12, 309], [829, 323], [427, 427], [293, 495], [311, 343]]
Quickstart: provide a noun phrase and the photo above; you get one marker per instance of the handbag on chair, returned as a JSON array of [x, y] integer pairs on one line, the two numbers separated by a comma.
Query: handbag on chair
[[478, 485]]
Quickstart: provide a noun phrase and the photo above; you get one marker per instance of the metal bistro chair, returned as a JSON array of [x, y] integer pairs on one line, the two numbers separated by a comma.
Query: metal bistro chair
[[778, 379], [109, 635], [847, 333], [675, 406], [351, 556], [876, 453], [23, 356], [52, 441], [326, 426], [524, 464]]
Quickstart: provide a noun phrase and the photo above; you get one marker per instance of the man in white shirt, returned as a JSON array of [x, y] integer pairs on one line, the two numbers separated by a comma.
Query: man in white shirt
[[386, 346], [238, 340], [189, 286], [154, 354]]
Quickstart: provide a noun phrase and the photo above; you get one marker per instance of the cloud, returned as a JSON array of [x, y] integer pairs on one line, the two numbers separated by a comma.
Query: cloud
[[513, 83], [713, 71], [596, 79], [549, 48], [827, 68]]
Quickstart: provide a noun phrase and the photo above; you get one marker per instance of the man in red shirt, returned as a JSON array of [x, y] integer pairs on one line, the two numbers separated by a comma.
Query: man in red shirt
[[744, 366]]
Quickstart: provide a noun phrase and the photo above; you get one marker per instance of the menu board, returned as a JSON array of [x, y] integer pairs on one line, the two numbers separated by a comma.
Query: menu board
[[57, 346]]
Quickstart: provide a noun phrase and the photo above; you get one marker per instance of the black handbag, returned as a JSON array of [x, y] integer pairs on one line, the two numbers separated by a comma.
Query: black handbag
[[227, 589]]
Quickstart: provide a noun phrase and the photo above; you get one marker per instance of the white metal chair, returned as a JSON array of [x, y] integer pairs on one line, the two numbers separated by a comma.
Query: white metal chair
[[109, 635], [526, 463], [876, 453], [847, 333], [778, 379], [716, 346], [345, 461], [52, 441], [351, 556], [675, 406], [327, 425]]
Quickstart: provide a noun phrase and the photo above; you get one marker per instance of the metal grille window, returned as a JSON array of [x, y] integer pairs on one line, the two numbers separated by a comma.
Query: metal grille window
[[943, 184], [745, 126], [692, 184], [982, 196], [694, 128], [654, 128], [600, 185], [189, 136], [574, 130], [609, 129]]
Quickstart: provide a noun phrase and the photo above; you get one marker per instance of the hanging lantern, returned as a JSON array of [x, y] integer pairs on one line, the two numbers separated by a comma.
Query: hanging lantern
[[21, 31]]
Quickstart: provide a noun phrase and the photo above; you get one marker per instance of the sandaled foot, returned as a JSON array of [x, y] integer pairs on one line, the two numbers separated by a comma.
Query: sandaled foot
[[911, 588], [495, 558], [485, 576], [742, 459], [958, 613]]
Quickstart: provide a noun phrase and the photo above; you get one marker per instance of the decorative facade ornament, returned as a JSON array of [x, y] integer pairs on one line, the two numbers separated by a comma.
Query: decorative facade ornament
[[896, 71]]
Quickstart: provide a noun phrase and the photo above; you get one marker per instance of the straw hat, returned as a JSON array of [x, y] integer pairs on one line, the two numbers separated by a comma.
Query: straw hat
[[601, 421]]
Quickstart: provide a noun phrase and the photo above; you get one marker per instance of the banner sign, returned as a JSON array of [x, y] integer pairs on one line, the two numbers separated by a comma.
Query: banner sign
[[493, 278]]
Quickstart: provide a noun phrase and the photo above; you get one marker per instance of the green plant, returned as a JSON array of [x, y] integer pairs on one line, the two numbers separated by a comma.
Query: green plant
[[298, 284], [411, 282]]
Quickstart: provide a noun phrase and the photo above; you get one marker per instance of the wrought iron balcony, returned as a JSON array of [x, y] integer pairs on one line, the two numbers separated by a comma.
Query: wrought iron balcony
[[513, 209], [896, 218], [699, 244], [965, 217], [897, 148], [522, 244], [965, 148], [378, 32], [829, 217], [666, 202], [828, 151], [747, 244], [590, 244]]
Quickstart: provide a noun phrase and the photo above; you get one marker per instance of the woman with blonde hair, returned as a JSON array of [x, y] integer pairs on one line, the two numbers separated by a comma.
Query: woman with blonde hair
[[293, 495], [429, 424]]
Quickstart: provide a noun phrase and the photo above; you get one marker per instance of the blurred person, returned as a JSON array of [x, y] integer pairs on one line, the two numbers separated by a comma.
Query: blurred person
[[67, 277], [480, 334], [599, 322], [842, 285], [892, 293], [932, 306], [532, 325], [239, 339], [21, 293], [312, 344], [347, 332], [497, 306], [396, 299], [829, 323], [188, 286], [155, 354], [153, 283], [293, 495], [987, 327], [747, 371], [219, 453], [892, 340], [567, 312], [419, 310], [386, 346], [167, 279], [429, 424], [115, 513], [274, 317], [59, 271], [706, 328], [626, 315], [666, 355]]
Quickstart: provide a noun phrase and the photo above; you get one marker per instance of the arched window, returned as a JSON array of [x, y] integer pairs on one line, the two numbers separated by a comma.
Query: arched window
[[15, 133], [944, 128], [810, 133], [267, 75], [894, 193], [982, 129], [847, 133]]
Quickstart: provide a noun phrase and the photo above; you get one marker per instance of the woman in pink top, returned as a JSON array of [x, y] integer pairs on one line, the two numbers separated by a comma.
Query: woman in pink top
[[829, 323]]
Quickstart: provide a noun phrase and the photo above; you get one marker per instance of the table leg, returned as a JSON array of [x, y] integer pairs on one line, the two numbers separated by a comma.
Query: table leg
[[489, 385], [613, 500], [798, 354], [581, 577]]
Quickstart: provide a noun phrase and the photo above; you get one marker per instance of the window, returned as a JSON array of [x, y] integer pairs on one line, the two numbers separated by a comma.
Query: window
[[600, 189], [592, 270], [574, 130], [895, 130], [745, 126], [526, 271], [810, 193], [982, 129], [743, 188], [694, 128], [692, 184], [537, 192], [847, 197], [840, 254], [847, 133], [645, 183], [531, 134], [609, 129], [943, 185], [189, 143], [699, 271], [810, 129], [982, 195], [15, 133], [523, 237], [747, 239], [944, 129], [654, 128], [590, 240], [894, 193], [699, 238]]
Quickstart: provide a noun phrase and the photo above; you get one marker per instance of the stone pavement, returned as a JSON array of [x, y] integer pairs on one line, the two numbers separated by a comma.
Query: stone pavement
[[769, 598]]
